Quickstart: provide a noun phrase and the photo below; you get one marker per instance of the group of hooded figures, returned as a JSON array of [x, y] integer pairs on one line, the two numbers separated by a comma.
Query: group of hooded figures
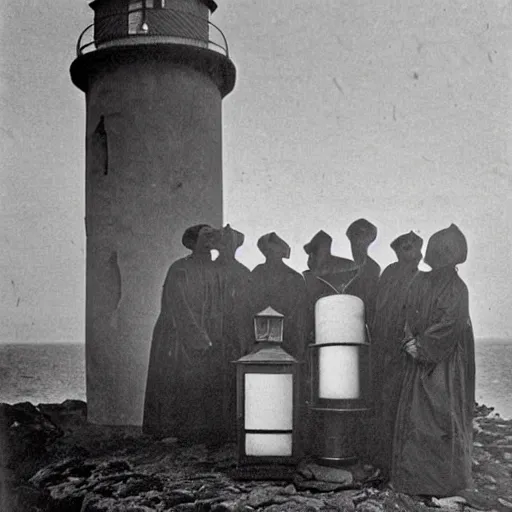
[[423, 373]]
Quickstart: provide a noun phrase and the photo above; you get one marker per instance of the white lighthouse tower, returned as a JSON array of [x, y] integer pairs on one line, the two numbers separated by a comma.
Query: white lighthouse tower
[[154, 73]]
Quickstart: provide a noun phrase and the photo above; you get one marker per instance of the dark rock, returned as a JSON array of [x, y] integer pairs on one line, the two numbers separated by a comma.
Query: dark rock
[[55, 472], [113, 466], [184, 507], [329, 474], [68, 415], [289, 506], [136, 486], [341, 501], [23, 498], [138, 508], [26, 434], [178, 496], [304, 470], [230, 506], [296, 503], [290, 490], [505, 503], [262, 495], [67, 497], [206, 505], [370, 506], [307, 502], [93, 503], [315, 485]]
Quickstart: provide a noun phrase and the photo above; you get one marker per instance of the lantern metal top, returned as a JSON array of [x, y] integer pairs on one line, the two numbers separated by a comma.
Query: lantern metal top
[[267, 353], [270, 312]]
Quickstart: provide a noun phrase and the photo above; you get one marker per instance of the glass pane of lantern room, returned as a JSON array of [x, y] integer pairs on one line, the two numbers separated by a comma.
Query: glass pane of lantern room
[[268, 401], [134, 16]]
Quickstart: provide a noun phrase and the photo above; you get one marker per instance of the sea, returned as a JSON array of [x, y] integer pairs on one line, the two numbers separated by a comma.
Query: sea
[[52, 373]]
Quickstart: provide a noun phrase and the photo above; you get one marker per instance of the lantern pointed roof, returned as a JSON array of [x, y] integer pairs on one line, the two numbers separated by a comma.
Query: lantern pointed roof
[[270, 311]]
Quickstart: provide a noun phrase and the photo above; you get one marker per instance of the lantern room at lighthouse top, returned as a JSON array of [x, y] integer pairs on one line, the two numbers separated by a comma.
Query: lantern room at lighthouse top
[[128, 22]]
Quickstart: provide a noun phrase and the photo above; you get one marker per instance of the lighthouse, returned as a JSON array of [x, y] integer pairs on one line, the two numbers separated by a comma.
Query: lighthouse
[[154, 73]]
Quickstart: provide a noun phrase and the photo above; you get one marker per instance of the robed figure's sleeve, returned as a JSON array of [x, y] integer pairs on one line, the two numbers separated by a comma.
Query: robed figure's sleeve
[[438, 335]]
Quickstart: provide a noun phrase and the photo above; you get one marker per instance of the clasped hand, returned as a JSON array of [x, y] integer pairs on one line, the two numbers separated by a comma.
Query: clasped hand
[[411, 347]]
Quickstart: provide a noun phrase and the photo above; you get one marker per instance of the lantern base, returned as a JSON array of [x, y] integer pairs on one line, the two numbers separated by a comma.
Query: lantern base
[[340, 436], [264, 472]]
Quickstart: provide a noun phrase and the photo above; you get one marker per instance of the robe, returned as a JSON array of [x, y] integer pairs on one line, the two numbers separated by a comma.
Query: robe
[[388, 360], [237, 335], [432, 452], [282, 288], [365, 287], [181, 397], [279, 286]]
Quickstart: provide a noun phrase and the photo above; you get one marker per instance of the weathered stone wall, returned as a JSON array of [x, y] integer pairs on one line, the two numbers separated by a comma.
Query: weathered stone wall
[[154, 168]]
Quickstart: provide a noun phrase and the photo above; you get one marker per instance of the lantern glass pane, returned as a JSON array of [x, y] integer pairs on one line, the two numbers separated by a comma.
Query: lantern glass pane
[[268, 445], [134, 16], [268, 401], [262, 328], [276, 329], [338, 372]]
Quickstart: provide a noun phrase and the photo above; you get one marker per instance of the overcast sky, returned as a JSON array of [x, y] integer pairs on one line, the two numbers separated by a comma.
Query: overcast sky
[[397, 111]]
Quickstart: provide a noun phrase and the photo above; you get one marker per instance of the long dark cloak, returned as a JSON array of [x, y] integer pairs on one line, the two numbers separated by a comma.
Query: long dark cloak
[[180, 398], [365, 285], [433, 433], [279, 286], [237, 335], [388, 361]]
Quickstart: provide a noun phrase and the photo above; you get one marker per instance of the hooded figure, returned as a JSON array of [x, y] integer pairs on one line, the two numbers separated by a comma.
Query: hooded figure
[[179, 399], [362, 234], [327, 274], [432, 452], [236, 325], [277, 285], [387, 332]]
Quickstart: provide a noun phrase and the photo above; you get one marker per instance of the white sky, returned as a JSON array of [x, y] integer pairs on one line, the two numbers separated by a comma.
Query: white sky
[[395, 110]]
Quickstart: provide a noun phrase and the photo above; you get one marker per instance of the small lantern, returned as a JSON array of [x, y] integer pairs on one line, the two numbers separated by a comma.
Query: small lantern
[[267, 396], [340, 367]]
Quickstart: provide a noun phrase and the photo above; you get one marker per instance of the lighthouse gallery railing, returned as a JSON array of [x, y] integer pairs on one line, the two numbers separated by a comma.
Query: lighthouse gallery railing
[[161, 31]]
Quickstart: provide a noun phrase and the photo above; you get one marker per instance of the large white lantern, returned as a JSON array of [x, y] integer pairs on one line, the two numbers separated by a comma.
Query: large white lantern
[[267, 396], [340, 366]]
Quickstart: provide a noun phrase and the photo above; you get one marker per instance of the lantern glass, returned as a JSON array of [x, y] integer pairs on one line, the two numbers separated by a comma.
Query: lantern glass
[[268, 407], [268, 445], [338, 369], [268, 328], [268, 401]]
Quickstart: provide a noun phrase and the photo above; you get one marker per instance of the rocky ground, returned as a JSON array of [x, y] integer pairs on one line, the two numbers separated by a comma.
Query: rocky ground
[[51, 460]]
